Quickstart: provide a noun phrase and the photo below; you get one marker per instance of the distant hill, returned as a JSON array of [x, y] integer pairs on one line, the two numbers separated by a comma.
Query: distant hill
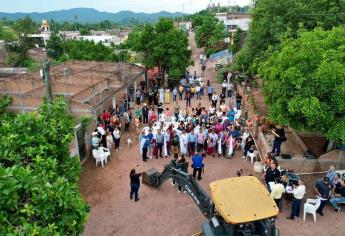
[[90, 15]]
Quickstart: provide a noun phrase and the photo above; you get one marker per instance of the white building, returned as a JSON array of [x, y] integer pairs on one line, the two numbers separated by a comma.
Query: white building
[[233, 24], [106, 40]]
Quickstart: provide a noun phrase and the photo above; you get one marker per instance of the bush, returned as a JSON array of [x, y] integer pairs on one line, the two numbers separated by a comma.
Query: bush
[[39, 193]]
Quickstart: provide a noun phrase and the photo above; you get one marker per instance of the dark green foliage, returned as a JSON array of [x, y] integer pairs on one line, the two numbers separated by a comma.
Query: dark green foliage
[[18, 51], [163, 46], [55, 46], [39, 193], [304, 82], [210, 33], [271, 19]]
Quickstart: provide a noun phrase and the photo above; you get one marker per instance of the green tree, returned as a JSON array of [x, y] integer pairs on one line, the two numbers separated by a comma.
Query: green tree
[[25, 26], [304, 82], [39, 193], [55, 46], [271, 19], [163, 46], [18, 51]]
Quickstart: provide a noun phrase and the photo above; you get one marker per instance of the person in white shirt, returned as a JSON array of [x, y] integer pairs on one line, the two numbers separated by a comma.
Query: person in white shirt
[[224, 87], [183, 142], [219, 113], [174, 94], [214, 99], [277, 192], [298, 194], [197, 91], [229, 88], [201, 57]]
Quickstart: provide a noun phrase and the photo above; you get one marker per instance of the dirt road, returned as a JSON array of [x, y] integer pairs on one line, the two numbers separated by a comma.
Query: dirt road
[[164, 211]]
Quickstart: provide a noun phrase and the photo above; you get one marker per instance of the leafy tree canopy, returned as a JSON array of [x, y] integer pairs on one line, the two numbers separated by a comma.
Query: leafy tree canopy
[[304, 82], [39, 193], [271, 19], [162, 45], [209, 31]]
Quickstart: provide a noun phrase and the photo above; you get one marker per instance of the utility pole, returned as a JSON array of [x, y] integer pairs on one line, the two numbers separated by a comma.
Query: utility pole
[[46, 68]]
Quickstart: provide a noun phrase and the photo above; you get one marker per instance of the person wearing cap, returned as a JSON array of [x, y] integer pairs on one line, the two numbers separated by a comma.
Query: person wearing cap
[[323, 189], [95, 140]]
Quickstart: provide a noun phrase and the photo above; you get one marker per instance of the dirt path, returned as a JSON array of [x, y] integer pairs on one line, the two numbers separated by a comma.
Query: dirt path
[[164, 211]]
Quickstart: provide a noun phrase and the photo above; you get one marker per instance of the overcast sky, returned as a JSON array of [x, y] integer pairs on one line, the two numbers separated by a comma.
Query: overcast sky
[[187, 6]]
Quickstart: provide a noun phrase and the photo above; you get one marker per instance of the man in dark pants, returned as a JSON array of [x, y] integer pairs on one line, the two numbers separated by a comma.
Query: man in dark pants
[[323, 190], [238, 101], [197, 165], [298, 194], [144, 142], [145, 111], [135, 184], [160, 142]]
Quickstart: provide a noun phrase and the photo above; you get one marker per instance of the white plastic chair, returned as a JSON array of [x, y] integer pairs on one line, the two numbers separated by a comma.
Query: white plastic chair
[[310, 206], [105, 152], [252, 156], [98, 157]]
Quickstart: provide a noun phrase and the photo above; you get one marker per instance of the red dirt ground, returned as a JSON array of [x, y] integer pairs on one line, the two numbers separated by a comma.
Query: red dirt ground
[[164, 211]]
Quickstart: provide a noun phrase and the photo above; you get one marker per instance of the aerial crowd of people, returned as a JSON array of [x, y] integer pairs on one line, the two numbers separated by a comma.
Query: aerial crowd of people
[[201, 131]]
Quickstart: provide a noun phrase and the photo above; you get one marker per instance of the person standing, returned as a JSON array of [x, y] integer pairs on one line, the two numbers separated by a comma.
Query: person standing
[[191, 143], [214, 100], [224, 87], [201, 137], [135, 185], [210, 91], [145, 112], [238, 101], [180, 91], [188, 96], [144, 145], [117, 137], [277, 192], [160, 142], [222, 98], [271, 174], [202, 84], [184, 142], [138, 96], [298, 194], [182, 165], [150, 147], [323, 189], [229, 87], [175, 143], [197, 165], [279, 138], [167, 96], [197, 91], [174, 94]]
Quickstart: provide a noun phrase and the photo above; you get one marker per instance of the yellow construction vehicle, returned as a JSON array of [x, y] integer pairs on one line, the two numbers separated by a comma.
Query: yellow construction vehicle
[[237, 206]]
